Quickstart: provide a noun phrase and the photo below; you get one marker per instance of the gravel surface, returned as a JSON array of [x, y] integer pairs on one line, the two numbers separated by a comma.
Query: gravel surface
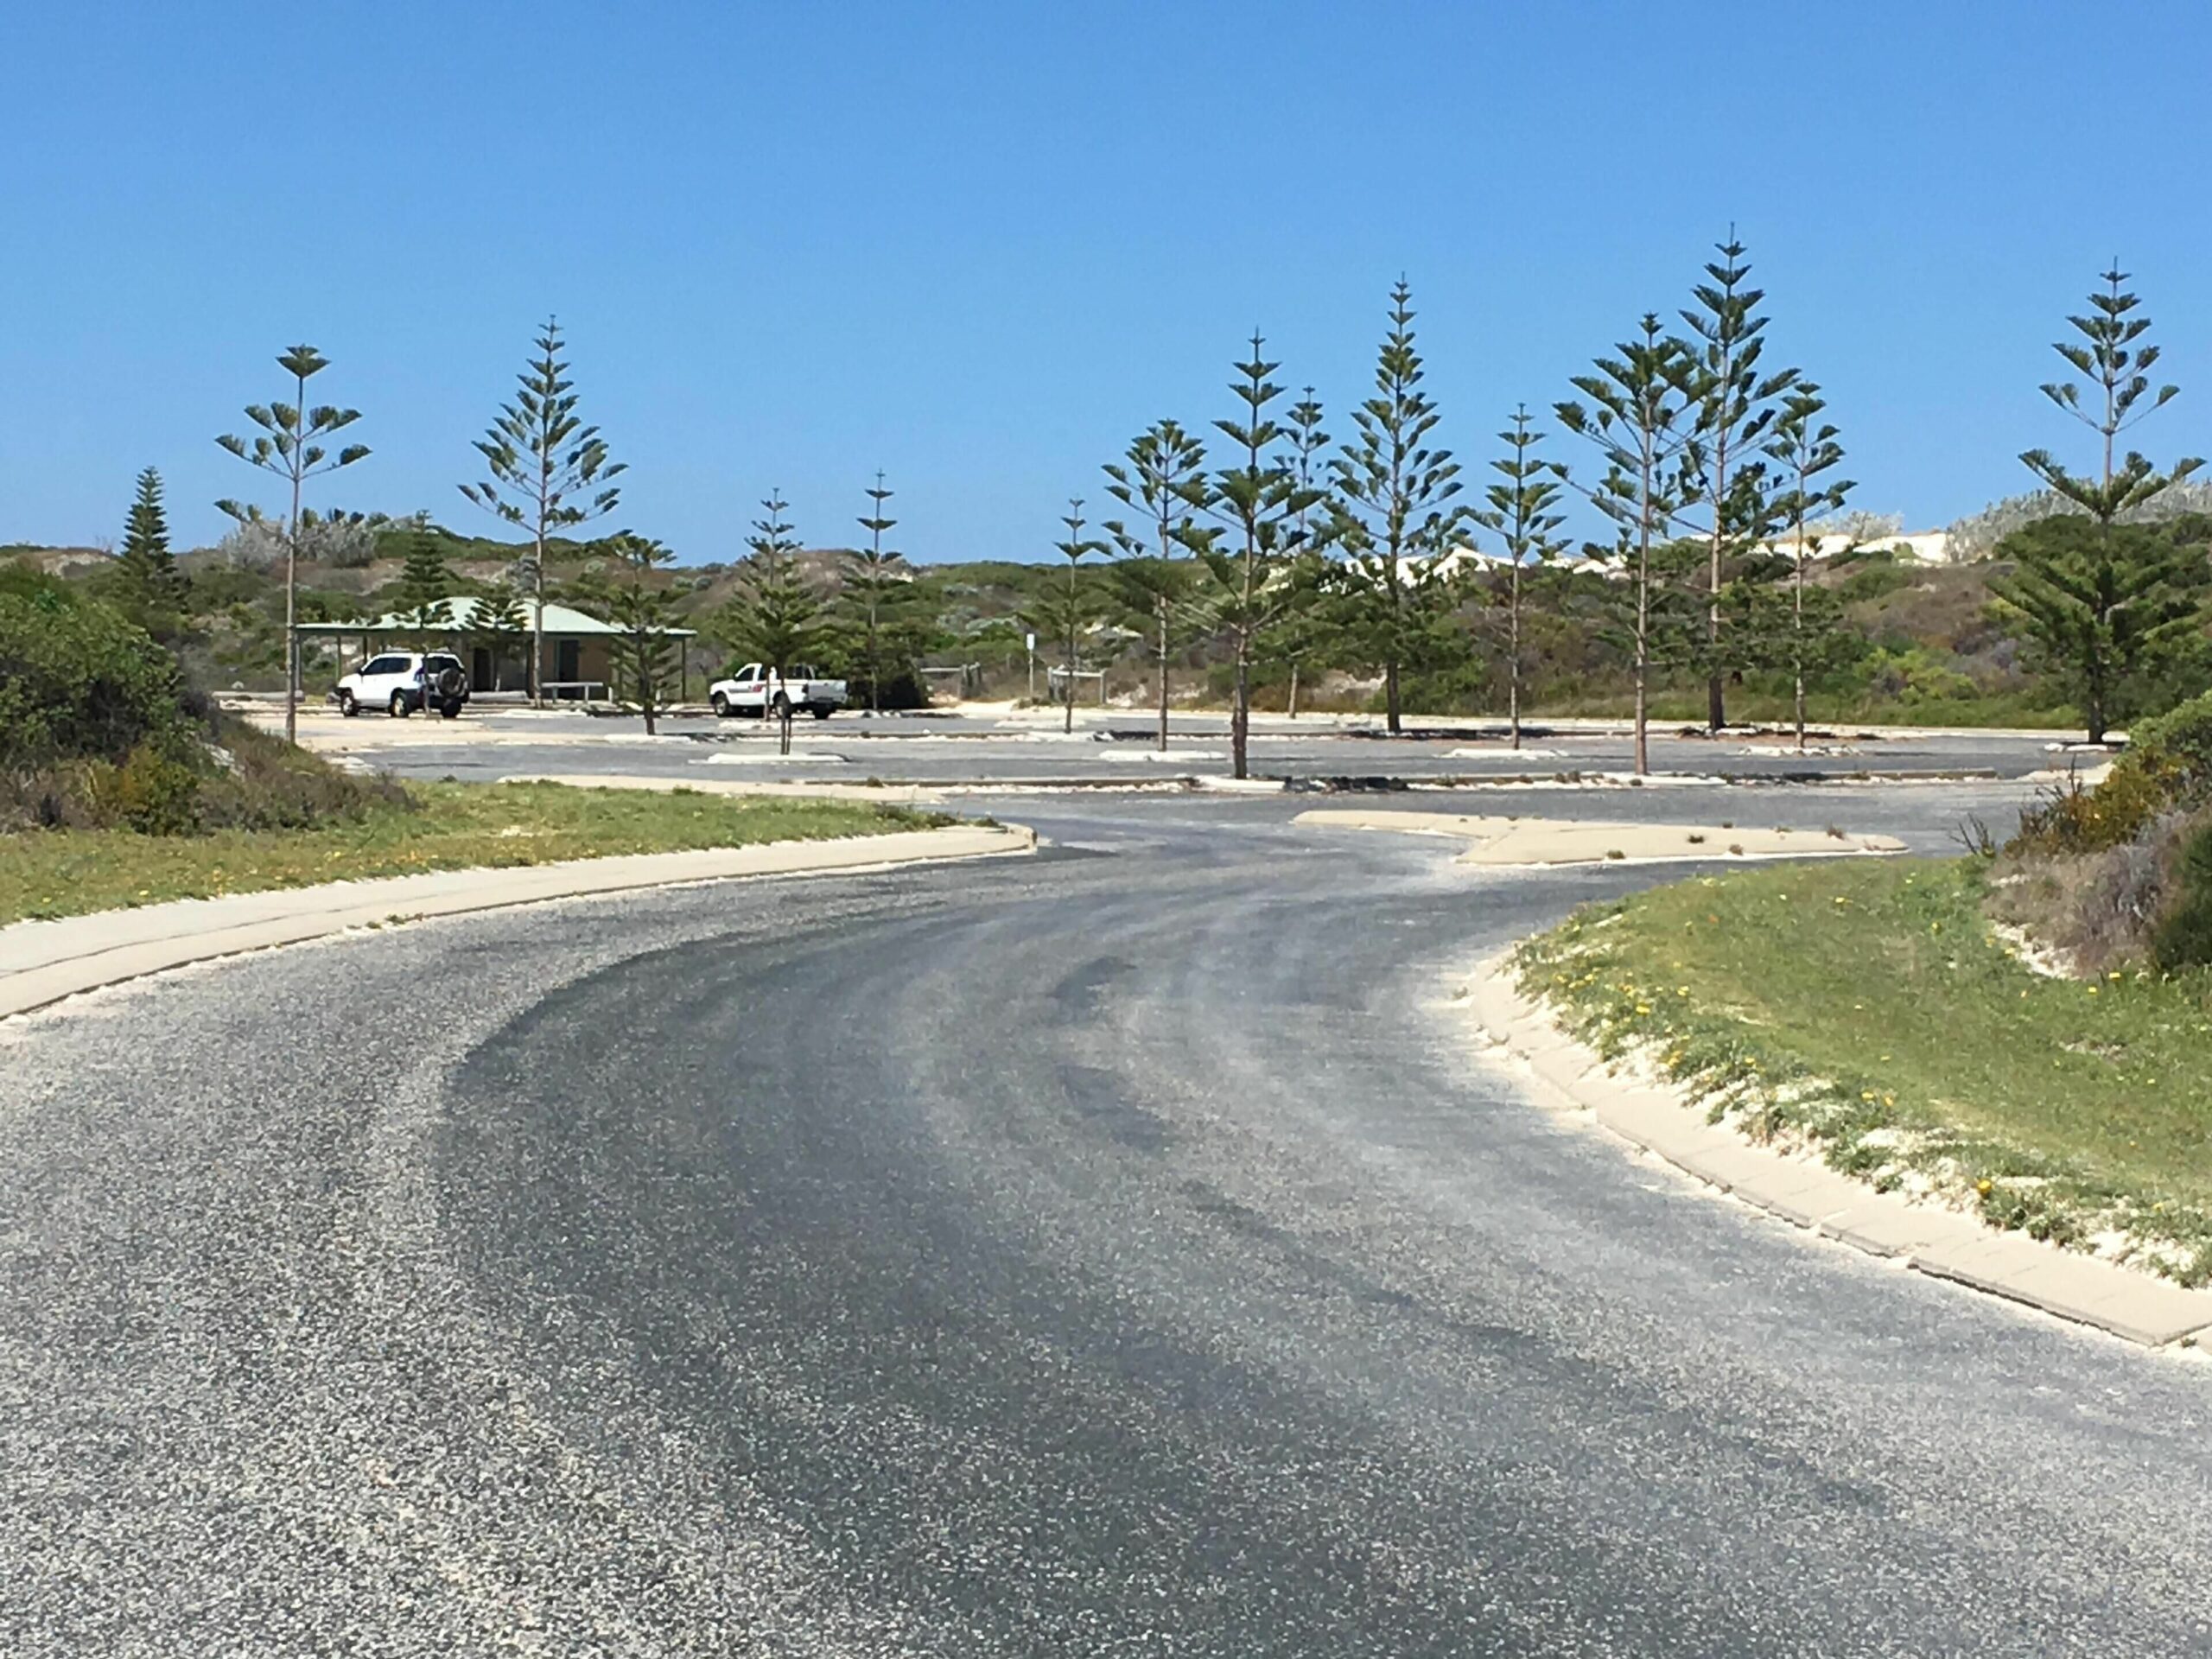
[[1120, 1252]]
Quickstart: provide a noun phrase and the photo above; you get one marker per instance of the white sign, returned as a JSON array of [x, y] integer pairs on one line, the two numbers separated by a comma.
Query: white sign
[[1033, 642]]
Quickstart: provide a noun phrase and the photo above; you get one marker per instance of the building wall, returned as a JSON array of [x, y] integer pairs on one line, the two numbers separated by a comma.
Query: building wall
[[586, 658]]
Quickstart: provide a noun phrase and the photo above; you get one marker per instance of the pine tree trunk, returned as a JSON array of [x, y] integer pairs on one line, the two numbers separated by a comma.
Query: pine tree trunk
[[1716, 716], [291, 602], [1390, 664], [1162, 614], [1240, 711], [1643, 660], [1797, 641], [537, 622], [1513, 659]]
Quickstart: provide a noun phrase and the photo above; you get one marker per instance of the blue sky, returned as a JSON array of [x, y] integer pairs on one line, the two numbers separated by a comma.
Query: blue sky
[[980, 245]]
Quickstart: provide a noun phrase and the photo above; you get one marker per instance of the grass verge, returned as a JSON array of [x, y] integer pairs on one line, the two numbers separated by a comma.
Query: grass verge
[[51, 873], [1866, 1007]]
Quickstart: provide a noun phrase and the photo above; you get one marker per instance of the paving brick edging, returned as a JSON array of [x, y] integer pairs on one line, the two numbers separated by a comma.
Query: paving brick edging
[[1566, 1072], [42, 963]]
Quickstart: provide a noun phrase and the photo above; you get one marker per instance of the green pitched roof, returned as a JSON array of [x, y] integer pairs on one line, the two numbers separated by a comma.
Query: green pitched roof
[[462, 609]]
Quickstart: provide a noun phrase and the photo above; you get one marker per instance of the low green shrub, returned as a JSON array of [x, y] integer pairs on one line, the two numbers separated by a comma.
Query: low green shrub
[[2072, 818], [1878, 575], [2184, 936], [79, 681], [2174, 747], [2167, 768], [98, 731], [254, 780], [155, 793]]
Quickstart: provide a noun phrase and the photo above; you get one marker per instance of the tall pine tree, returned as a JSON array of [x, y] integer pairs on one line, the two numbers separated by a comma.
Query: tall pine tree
[[644, 654], [1522, 509], [549, 471], [500, 622], [1735, 404], [1805, 450], [2096, 604], [876, 588], [291, 445], [1158, 479], [150, 569], [1393, 516], [776, 615], [1254, 505], [1639, 417], [426, 587]]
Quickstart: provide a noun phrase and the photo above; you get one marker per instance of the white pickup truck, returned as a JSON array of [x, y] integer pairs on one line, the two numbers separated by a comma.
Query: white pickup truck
[[757, 689]]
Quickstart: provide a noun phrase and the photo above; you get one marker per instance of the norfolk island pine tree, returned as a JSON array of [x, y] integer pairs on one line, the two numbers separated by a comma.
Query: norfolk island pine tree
[[425, 585], [643, 611], [1804, 447], [1638, 416], [1254, 502], [1064, 613], [1157, 477], [290, 446], [875, 583], [1310, 628], [1734, 405], [1391, 505], [549, 471], [2083, 604], [775, 617], [498, 619], [1521, 510], [148, 565]]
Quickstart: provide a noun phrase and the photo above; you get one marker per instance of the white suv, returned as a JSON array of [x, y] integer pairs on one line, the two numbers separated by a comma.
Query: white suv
[[403, 681]]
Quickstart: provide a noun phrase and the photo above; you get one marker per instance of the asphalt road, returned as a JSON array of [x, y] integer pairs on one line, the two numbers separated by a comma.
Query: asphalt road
[[1120, 1252], [1118, 747]]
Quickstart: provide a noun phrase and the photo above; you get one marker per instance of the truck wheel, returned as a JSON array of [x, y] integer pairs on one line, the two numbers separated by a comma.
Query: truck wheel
[[820, 710], [400, 709], [450, 707], [721, 705], [346, 706]]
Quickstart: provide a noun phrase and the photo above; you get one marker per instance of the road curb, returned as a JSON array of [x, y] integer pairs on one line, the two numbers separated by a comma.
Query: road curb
[[1942, 1244], [51, 960]]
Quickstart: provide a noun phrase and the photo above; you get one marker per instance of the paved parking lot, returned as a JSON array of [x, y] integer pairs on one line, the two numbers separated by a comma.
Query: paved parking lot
[[1000, 746]]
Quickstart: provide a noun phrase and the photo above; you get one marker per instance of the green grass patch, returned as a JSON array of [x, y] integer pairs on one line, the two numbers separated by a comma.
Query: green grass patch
[[1867, 1006], [50, 872]]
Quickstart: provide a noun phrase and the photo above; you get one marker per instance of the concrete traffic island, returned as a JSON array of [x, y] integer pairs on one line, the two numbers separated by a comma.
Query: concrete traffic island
[[1567, 1075], [882, 794], [42, 961], [1503, 841]]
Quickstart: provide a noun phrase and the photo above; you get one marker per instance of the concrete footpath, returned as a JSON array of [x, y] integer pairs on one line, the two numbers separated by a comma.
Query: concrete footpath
[[43, 962], [1927, 1238]]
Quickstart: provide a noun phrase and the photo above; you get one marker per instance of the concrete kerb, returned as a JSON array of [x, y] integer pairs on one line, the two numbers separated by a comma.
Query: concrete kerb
[[1566, 1074], [47, 961], [886, 794]]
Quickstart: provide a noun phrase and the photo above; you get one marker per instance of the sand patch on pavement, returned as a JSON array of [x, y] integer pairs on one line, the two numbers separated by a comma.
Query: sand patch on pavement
[[1522, 841]]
